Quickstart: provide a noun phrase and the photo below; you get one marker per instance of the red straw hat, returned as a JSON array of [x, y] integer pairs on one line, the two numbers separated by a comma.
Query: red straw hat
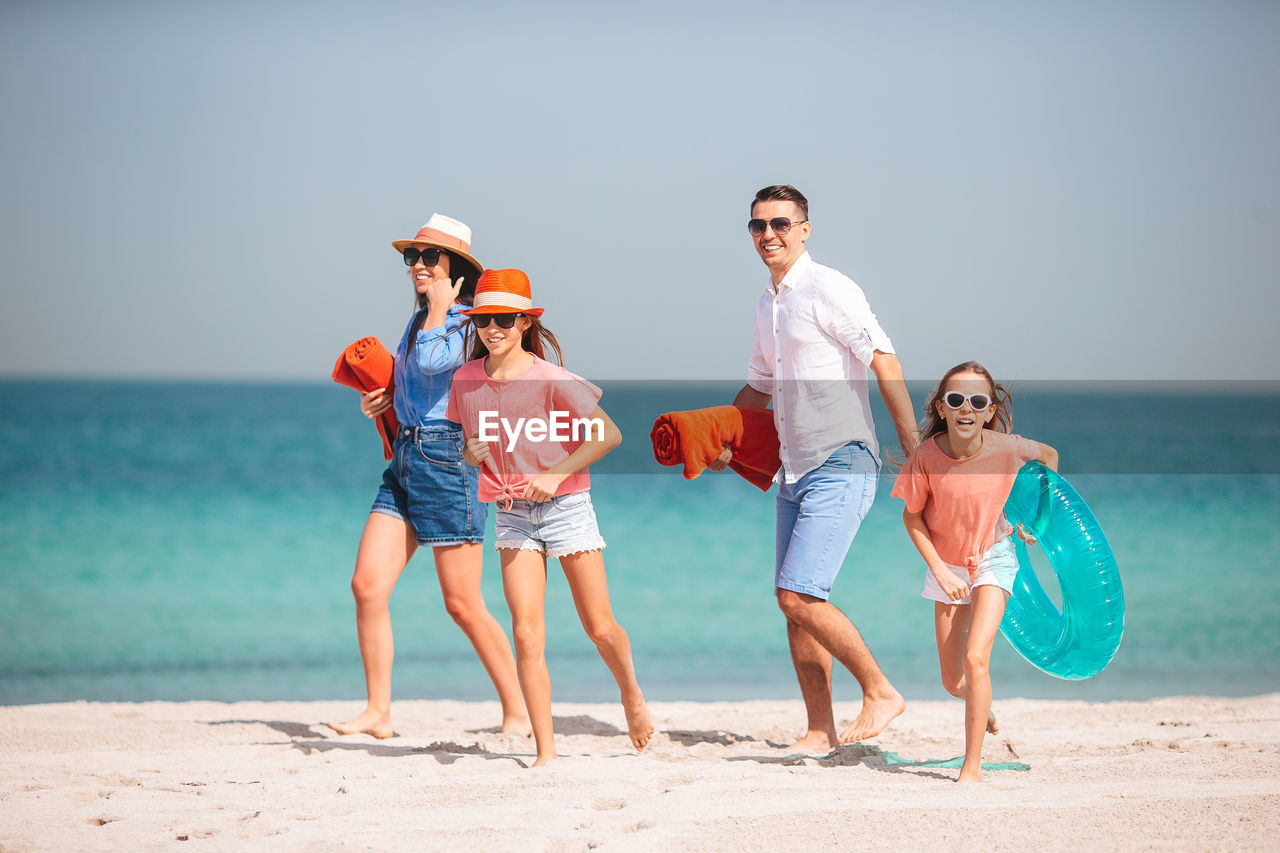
[[503, 292], [442, 232]]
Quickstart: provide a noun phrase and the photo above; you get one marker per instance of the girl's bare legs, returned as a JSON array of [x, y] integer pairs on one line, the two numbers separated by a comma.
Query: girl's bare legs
[[988, 603], [458, 569], [951, 623], [585, 573], [385, 548], [524, 582]]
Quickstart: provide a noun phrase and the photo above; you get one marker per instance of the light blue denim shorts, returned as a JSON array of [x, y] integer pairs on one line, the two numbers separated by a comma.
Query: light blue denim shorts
[[998, 567], [564, 525], [818, 516]]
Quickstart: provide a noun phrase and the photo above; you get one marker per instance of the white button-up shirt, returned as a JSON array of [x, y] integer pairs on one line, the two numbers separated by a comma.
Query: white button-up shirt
[[815, 336]]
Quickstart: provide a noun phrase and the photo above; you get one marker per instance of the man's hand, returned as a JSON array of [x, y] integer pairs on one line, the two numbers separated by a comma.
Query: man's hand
[[722, 461]]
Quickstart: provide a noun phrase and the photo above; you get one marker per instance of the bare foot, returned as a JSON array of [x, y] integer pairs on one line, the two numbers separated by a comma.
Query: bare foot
[[969, 776], [993, 725], [875, 717], [371, 722], [639, 725], [517, 726], [815, 742]]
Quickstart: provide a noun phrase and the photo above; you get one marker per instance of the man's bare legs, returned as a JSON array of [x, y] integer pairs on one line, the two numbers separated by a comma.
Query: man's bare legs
[[822, 625]]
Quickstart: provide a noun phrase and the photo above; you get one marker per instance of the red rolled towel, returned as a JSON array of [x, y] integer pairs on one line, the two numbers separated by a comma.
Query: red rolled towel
[[695, 438], [366, 365]]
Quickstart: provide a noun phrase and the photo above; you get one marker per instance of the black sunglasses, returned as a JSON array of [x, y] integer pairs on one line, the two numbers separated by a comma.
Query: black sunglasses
[[430, 257], [978, 402], [504, 321], [780, 225]]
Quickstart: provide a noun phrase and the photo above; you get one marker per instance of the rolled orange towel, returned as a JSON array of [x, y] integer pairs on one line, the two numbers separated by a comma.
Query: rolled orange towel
[[366, 365], [695, 438]]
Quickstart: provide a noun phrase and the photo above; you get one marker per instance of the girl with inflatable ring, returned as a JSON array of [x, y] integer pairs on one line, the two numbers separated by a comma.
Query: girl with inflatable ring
[[429, 496], [955, 486]]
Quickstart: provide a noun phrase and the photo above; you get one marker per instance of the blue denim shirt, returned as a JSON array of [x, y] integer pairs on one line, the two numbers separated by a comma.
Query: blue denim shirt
[[425, 371]]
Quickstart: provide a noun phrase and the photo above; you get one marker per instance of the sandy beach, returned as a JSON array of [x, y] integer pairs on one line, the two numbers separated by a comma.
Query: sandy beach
[[1183, 773]]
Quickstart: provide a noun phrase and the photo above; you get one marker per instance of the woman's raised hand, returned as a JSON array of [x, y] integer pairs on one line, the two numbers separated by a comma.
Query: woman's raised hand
[[375, 402], [444, 292]]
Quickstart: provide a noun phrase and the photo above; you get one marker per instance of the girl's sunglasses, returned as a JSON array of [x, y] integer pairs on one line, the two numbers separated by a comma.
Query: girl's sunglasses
[[430, 257], [780, 225], [504, 321], [977, 402]]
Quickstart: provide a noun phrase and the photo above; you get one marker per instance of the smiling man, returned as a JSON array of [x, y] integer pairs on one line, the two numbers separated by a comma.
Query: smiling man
[[815, 341]]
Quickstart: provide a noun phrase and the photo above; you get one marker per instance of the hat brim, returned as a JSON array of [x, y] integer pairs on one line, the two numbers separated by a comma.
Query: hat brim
[[502, 309], [476, 267]]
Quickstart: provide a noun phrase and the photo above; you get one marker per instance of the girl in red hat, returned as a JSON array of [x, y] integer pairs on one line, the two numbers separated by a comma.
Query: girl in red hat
[[532, 428]]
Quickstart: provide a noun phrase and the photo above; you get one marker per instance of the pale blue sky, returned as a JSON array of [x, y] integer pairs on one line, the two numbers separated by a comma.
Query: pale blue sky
[[1085, 190]]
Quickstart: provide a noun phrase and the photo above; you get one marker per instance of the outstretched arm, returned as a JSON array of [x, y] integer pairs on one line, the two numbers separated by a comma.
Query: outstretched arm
[[893, 388]]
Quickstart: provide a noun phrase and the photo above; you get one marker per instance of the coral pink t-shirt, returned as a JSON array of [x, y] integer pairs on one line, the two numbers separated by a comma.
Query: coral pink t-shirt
[[530, 423], [963, 501]]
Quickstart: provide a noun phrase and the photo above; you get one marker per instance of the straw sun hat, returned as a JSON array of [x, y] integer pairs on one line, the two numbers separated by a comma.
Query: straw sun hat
[[503, 292], [441, 232]]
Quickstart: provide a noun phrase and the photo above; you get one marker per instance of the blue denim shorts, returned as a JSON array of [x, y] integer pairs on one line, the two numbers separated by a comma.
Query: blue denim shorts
[[818, 516], [428, 485], [566, 524]]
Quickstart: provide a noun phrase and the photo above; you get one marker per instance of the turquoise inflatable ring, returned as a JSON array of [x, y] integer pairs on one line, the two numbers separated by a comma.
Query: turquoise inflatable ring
[[1082, 638]]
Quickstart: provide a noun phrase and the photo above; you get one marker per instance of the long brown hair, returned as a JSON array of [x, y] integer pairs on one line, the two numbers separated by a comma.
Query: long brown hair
[[934, 423], [536, 339]]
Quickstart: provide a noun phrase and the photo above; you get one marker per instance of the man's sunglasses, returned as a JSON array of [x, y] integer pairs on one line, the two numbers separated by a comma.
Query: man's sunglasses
[[429, 257], [780, 225], [977, 402], [504, 321]]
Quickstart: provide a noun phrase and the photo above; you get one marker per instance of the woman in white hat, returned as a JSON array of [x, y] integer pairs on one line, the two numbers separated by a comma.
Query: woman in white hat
[[429, 496]]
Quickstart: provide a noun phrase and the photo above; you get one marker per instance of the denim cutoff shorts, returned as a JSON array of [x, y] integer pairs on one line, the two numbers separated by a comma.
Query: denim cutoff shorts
[[564, 525], [818, 516], [997, 567], [428, 485]]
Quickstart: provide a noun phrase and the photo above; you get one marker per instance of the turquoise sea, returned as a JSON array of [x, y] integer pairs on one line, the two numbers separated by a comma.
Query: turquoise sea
[[184, 541]]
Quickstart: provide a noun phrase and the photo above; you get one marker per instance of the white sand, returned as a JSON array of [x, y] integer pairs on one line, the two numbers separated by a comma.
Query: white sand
[[1183, 773]]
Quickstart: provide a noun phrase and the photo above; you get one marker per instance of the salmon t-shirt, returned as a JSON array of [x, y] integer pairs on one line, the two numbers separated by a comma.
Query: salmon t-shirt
[[530, 424], [963, 500]]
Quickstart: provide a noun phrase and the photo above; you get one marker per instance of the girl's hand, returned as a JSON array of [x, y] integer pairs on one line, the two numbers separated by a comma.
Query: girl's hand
[[475, 451], [543, 487], [722, 461], [442, 293], [1026, 535], [375, 402], [954, 588]]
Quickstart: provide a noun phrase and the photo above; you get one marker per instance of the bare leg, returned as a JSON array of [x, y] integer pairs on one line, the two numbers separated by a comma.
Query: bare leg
[[833, 631], [524, 581], [988, 609], [385, 548], [585, 573], [951, 623], [458, 569], [813, 670]]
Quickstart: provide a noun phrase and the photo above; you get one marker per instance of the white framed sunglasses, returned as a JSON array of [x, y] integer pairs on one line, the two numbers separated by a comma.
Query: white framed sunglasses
[[977, 402]]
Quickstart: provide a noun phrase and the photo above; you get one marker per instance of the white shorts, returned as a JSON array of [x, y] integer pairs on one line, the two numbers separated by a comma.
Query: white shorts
[[998, 567]]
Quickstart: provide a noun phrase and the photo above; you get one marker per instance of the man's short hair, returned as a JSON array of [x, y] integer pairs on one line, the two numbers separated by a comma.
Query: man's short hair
[[783, 192]]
